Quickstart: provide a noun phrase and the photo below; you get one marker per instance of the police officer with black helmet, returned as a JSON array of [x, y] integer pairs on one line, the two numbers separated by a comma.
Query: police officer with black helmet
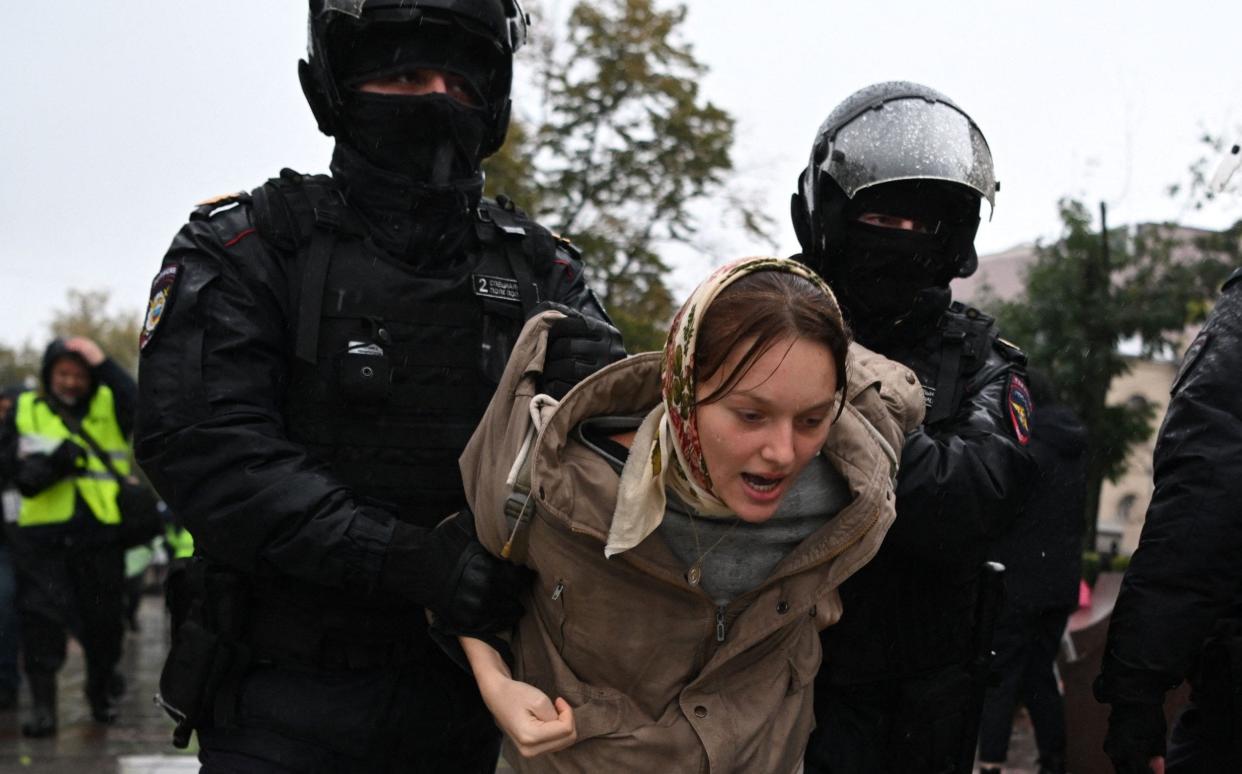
[[315, 355], [887, 211]]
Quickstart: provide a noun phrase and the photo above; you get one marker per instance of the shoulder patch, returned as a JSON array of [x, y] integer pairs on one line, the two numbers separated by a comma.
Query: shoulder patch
[[206, 208], [1010, 351], [162, 289], [222, 199], [1018, 398], [566, 244]]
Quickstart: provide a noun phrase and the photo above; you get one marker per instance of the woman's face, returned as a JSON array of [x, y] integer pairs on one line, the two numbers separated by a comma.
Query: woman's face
[[760, 436]]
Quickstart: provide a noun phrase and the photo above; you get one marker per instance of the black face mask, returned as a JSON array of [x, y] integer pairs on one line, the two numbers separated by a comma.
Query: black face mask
[[429, 139], [885, 269]]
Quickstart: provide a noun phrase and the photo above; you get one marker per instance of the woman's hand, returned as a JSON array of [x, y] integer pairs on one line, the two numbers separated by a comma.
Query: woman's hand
[[528, 717]]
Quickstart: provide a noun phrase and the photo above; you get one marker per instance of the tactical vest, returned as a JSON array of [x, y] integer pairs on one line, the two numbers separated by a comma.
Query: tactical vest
[[944, 361], [42, 430], [394, 364]]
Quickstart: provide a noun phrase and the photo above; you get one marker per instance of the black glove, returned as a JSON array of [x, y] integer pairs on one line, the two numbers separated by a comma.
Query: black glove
[[65, 458], [448, 571], [1136, 734], [578, 346]]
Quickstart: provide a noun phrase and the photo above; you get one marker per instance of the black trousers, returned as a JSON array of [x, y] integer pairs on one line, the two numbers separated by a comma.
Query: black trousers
[[421, 717], [1026, 643], [911, 726], [74, 590]]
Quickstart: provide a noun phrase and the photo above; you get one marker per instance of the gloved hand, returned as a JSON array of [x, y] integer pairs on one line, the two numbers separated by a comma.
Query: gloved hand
[[64, 459], [448, 571], [578, 346], [1136, 734]]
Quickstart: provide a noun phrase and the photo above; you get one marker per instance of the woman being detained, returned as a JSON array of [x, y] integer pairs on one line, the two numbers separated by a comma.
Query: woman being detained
[[691, 515]]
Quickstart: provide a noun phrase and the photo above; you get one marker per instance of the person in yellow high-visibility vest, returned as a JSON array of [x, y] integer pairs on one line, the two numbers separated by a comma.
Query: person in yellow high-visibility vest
[[69, 559]]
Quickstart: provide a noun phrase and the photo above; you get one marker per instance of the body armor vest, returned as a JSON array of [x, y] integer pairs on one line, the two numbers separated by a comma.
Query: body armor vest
[[395, 364], [956, 348]]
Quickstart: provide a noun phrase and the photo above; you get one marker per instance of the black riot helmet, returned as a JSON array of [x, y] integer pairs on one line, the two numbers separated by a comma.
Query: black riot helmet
[[893, 152], [353, 41]]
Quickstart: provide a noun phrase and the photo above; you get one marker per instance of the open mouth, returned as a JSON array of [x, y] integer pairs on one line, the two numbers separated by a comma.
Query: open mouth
[[762, 483]]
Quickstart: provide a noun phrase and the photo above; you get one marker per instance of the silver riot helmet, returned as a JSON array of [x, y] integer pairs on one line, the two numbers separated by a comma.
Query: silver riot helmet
[[472, 42], [907, 150]]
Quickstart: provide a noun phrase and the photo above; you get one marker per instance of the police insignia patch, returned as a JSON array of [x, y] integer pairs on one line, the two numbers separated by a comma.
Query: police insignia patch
[[1019, 400], [157, 308]]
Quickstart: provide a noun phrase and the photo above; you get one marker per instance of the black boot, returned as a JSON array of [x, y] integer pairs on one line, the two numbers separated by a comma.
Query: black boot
[[101, 693], [43, 712]]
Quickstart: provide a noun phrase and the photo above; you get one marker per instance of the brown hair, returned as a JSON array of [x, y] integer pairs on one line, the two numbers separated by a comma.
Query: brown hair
[[764, 308]]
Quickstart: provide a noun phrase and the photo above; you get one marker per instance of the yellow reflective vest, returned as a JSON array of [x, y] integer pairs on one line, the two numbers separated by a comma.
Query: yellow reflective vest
[[41, 430], [179, 541]]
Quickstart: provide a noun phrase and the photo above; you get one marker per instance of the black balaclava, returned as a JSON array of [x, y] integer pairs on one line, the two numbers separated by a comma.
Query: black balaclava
[[432, 139], [411, 164], [891, 281]]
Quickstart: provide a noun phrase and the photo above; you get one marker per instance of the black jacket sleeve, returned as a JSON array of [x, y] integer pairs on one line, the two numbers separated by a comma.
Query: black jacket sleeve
[[210, 434], [962, 481], [1185, 573]]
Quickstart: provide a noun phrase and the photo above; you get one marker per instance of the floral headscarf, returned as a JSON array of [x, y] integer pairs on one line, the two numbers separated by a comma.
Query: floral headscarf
[[666, 452]]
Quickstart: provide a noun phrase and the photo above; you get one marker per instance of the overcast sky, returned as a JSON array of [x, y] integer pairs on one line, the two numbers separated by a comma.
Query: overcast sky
[[117, 117]]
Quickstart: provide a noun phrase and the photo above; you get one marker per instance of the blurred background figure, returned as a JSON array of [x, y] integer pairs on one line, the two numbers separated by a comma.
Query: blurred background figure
[[1042, 555], [10, 506], [66, 547]]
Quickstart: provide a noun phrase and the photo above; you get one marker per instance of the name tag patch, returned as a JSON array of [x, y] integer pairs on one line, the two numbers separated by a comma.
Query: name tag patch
[[501, 288]]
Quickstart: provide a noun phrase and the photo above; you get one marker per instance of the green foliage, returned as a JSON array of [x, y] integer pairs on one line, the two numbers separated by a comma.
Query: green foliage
[[1090, 567], [623, 150], [86, 314], [1081, 300], [18, 364], [1194, 190]]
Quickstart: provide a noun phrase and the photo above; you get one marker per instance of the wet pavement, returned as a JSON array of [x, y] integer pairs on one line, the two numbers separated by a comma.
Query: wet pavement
[[139, 741]]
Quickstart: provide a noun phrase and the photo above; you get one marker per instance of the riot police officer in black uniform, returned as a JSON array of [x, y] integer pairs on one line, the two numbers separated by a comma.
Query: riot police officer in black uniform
[[887, 212], [1179, 613], [315, 356]]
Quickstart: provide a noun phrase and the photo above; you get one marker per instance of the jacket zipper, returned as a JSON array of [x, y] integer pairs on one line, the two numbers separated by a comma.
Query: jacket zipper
[[720, 623]]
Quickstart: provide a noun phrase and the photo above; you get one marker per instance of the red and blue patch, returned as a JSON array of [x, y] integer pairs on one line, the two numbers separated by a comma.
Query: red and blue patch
[[1020, 405], [162, 288]]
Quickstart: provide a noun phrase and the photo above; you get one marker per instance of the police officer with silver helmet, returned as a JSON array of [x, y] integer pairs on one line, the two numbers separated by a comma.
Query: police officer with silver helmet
[[315, 355], [887, 211]]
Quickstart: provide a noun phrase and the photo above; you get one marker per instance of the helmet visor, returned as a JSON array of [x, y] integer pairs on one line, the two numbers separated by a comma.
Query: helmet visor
[[504, 21], [910, 139]]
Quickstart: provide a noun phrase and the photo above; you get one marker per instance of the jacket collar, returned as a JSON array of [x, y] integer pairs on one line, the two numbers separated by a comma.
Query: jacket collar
[[861, 451]]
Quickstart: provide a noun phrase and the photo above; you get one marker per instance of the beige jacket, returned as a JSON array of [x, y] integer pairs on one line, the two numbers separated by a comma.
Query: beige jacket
[[660, 678]]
